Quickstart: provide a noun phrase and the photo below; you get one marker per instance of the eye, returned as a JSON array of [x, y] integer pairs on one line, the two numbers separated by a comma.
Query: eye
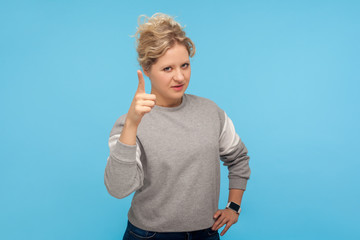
[[167, 69], [185, 65]]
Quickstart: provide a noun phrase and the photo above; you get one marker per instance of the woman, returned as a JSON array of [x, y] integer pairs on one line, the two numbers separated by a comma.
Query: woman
[[167, 147]]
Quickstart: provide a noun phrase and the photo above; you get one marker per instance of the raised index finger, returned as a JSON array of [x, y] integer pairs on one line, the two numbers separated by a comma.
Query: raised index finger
[[141, 86]]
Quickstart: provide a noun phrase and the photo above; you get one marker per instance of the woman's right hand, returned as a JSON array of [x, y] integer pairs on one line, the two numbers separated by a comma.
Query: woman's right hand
[[141, 104]]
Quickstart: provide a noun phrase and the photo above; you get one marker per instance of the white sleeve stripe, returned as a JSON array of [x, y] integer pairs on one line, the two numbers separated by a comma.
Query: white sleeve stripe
[[113, 139], [112, 143], [229, 139]]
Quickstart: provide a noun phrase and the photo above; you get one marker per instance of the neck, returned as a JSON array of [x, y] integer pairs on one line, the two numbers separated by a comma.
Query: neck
[[162, 102]]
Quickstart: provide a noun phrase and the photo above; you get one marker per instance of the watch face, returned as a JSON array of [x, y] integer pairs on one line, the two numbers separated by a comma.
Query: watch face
[[234, 206]]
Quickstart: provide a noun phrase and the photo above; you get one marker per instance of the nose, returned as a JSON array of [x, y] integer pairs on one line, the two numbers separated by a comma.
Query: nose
[[178, 75]]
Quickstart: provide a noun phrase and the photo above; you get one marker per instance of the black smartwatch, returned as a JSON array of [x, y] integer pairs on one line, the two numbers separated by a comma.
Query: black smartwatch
[[234, 206]]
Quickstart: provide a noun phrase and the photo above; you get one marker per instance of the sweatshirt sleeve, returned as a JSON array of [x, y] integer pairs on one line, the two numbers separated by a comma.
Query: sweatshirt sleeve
[[123, 172], [234, 154]]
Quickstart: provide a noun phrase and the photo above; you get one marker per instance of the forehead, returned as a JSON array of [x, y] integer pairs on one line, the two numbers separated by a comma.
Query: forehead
[[177, 54]]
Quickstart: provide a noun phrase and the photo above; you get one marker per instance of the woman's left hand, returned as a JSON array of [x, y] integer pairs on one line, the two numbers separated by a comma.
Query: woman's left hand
[[224, 216]]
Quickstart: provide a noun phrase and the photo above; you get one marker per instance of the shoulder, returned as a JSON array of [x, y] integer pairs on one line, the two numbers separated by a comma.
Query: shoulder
[[206, 104]]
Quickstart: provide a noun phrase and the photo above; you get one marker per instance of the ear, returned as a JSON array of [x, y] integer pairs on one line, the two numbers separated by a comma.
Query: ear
[[145, 72]]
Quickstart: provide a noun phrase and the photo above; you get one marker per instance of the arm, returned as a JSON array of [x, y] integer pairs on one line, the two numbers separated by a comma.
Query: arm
[[128, 135], [235, 195], [234, 155], [124, 173]]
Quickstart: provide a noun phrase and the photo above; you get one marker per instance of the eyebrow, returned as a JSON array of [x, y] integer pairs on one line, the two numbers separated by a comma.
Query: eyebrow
[[170, 65]]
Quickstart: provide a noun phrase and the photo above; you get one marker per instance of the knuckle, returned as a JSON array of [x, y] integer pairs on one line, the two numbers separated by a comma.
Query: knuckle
[[138, 109]]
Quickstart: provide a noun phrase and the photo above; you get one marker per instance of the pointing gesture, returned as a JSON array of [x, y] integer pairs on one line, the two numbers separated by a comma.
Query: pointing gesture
[[141, 86], [141, 104]]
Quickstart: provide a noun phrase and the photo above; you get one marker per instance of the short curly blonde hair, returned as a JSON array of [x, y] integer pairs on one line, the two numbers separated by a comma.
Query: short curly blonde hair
[[155, 35]]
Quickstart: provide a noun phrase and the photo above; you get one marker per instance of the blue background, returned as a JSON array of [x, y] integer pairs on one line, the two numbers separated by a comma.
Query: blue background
[[286, 72]]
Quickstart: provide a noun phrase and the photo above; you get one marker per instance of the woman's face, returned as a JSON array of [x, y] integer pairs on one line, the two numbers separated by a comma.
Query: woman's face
[[170, 76]]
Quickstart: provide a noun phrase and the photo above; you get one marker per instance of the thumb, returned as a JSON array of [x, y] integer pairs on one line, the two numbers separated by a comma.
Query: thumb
[[141, 86]]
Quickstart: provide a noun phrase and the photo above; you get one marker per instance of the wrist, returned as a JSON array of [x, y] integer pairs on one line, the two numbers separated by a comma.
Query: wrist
[[128, 134], [234, 207], [129, 124]]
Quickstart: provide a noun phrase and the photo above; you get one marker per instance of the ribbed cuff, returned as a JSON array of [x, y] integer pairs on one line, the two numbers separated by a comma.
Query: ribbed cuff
[[239, 183], [124, 152]]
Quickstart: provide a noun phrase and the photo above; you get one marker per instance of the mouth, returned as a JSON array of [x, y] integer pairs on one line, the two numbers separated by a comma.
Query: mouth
[[177, 86]]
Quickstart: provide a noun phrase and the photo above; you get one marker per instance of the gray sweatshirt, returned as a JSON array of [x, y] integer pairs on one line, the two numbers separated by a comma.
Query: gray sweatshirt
[[174, 167]]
